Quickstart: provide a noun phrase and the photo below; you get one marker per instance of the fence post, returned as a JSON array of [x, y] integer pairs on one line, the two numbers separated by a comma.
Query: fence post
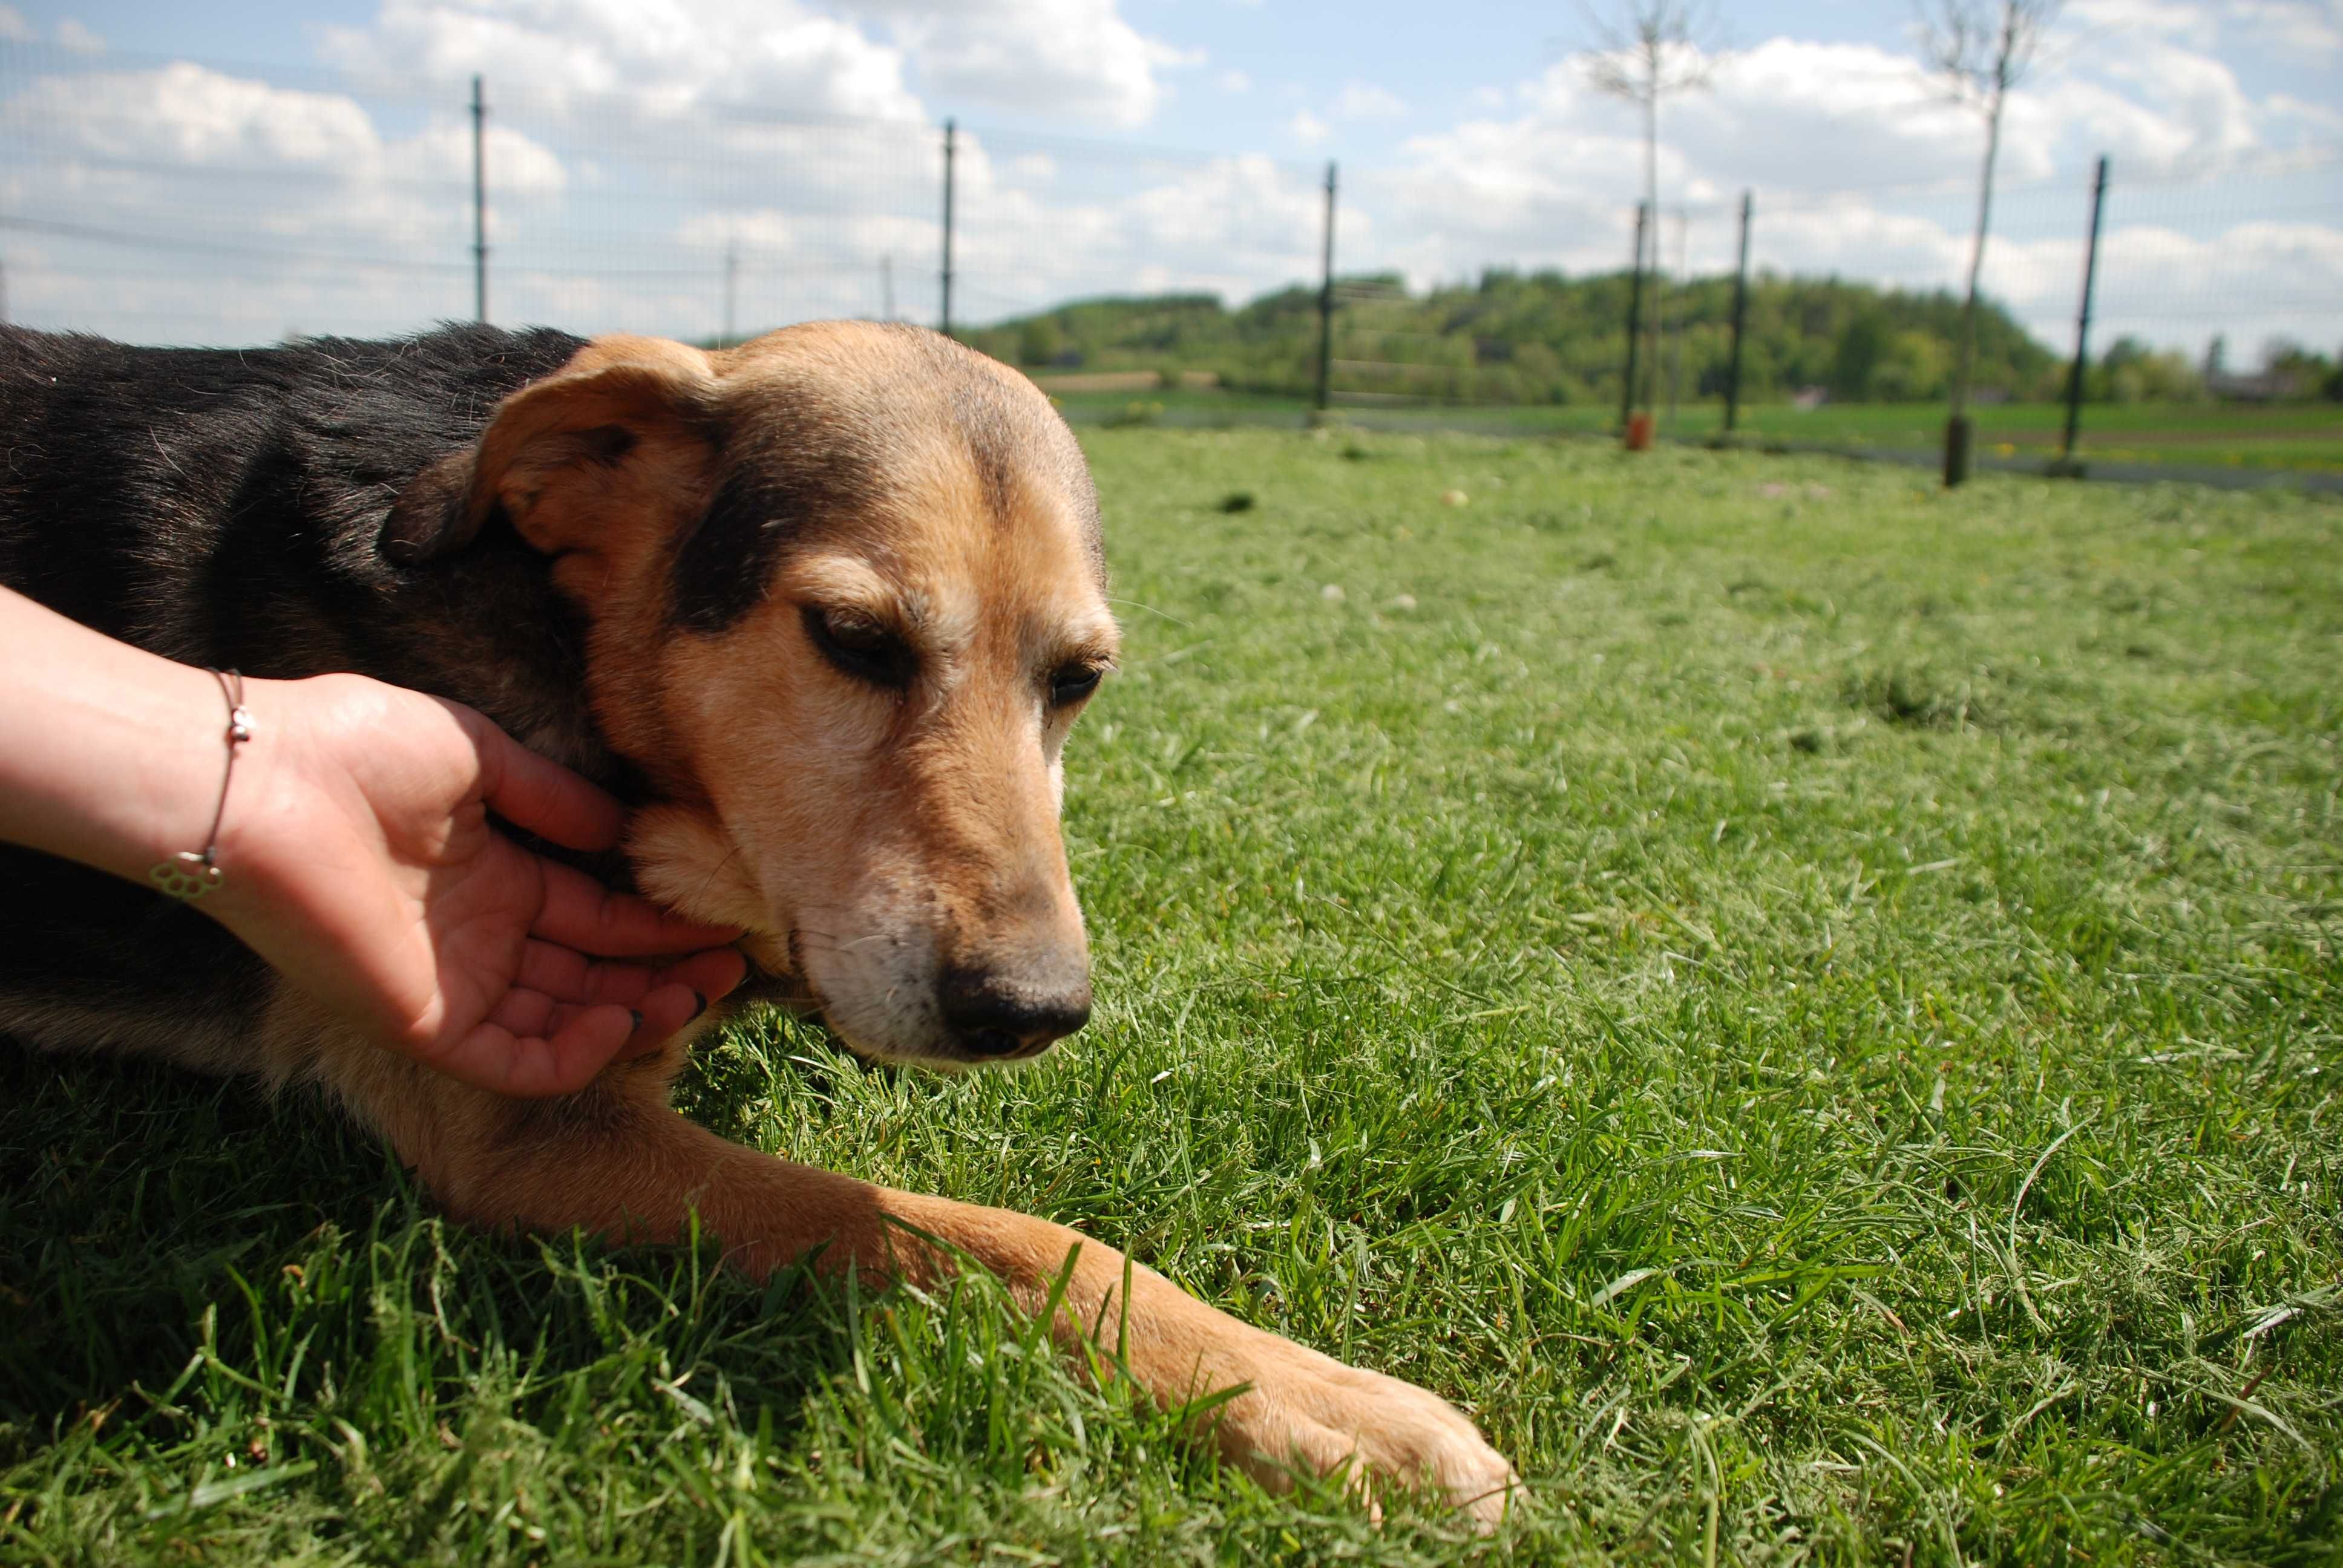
[[731, 291], [2083, 320], [951, 138], [1634, 321], [1740, 314], [1326, 300], [479, 202]]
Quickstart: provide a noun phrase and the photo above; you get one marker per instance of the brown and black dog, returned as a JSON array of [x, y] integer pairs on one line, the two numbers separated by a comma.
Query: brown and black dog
[[821, 608]]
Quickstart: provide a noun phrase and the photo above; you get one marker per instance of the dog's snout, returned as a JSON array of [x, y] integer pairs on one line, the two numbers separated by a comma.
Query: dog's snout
[[996, 1015]]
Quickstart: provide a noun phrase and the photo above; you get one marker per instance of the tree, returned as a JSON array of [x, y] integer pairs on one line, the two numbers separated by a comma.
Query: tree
[[1981, 48], [1645, 50]]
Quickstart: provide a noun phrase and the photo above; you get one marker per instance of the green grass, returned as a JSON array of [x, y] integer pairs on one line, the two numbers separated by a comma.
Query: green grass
[[2305, 438], [1807, 1004]]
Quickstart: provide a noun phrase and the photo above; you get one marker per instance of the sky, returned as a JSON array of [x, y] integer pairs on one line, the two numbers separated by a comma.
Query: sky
[[236, 172]]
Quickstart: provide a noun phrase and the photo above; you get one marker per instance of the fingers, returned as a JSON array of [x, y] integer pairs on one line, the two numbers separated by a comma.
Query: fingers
[[580, 912], [535, 1047], [664, 1011], [531, 1066], [537, 794], [566, 975], [552, 976], [713, 973]]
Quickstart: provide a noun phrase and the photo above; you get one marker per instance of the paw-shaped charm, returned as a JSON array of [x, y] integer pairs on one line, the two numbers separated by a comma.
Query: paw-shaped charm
[[185, 877]]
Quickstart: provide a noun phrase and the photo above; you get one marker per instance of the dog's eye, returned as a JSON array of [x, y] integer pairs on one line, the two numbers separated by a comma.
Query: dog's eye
[[1073, 682], [861, 649]]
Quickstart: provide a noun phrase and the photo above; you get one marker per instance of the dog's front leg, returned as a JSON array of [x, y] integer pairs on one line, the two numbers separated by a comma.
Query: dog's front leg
[[619, 1161]]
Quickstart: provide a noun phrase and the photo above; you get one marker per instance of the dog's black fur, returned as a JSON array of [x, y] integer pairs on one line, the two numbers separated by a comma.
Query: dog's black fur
[[226, 508]]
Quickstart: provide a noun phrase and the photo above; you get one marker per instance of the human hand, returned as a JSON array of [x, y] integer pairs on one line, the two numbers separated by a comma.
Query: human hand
[[360, 861]]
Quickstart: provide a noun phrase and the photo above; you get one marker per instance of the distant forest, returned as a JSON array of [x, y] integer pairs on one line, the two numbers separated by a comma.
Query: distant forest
[[1542, 337]]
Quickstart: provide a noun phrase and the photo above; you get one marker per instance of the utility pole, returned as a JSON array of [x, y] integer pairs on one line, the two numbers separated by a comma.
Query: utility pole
[[2083, 320], [1740, 314], [1634, 321], [1675, 338], [731, 289], [951, 137], [1326, 300], [479, 202], [887, 283]]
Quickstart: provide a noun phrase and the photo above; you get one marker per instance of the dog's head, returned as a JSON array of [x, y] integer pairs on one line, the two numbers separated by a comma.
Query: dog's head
[[844, 597]]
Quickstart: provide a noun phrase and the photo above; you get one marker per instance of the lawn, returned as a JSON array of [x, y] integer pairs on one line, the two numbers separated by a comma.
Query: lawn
[[1808, 1005], [2301, 438]]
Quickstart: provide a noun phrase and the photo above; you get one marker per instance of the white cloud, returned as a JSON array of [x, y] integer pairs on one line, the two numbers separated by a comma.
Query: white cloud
[[1365, 101], [1076, 57], [14, 29], [1073, 57], [1308, 128], [72, 35], [1234, 81], [226, 163], [187, 114], [2305, 26], [1864, 168], [653, 61]]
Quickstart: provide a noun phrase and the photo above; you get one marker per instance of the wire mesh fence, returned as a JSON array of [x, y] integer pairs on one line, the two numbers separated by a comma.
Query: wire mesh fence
[[179, 201]]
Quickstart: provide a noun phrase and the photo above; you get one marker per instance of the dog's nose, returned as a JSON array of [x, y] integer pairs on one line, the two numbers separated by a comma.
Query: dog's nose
[[995, 1015]]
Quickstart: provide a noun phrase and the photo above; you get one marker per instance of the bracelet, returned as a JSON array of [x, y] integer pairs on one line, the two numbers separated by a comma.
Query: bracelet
[[188, 876]]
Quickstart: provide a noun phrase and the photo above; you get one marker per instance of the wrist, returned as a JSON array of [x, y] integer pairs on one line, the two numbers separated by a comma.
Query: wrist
[[191, 874], [118, 757]]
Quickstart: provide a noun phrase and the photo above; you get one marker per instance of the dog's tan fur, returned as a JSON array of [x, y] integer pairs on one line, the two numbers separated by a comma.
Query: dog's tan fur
[[869, 839]]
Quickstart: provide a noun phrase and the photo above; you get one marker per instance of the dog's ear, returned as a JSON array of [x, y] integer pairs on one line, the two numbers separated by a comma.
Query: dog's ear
[[575, 461]]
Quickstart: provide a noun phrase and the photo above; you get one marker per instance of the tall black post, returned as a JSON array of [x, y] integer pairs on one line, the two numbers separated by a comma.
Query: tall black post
[[2083, 320], [479, 202], [1634, 319], [1326, 300], [731, 291], [951, 139], [1740, 315]]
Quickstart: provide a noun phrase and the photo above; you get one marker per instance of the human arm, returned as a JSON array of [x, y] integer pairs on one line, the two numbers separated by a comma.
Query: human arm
[[357, 852]]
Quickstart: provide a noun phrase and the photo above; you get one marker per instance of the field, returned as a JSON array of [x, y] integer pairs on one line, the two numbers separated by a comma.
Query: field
[[1808, 1005], [2298, 438]]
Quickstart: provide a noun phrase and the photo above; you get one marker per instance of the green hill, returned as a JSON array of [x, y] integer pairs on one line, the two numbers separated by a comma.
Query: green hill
[[1539, 337]]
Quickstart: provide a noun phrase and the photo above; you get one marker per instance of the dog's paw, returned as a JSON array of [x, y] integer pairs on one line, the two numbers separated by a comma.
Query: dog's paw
[[1307, 1412]]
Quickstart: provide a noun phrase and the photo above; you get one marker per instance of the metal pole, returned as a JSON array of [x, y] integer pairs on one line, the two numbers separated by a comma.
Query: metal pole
[[2083, 320], [479, 202], [731, 290], [887, 283], [1634, 319], [1326, 300], [1740, 314], [1675, 338], [951, 138]]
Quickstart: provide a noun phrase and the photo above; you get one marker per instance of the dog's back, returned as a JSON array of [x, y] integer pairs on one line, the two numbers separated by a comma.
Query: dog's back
[[220, 506], [191, 499]]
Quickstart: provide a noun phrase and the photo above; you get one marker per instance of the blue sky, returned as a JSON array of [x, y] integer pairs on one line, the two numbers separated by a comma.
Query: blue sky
[[1467, 133], [1440, 62]]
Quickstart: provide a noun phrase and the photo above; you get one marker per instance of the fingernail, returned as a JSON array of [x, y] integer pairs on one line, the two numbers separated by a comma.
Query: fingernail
[[699, 1005], [636, 1016]]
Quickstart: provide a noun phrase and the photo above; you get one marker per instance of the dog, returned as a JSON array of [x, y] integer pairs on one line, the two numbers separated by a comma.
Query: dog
[[820, 609]]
